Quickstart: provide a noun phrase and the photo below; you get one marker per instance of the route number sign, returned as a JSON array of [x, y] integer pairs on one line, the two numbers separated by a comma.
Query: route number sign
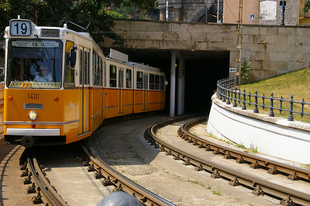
[[20, 28]]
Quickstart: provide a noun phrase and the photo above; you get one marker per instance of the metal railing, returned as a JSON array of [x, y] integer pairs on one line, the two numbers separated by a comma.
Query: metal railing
[[230, 94]]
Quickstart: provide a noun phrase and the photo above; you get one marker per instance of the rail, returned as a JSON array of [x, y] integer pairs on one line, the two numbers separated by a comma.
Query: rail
[[121, 183], [259, 186], [230, 94], [40, 184], [273, 167]]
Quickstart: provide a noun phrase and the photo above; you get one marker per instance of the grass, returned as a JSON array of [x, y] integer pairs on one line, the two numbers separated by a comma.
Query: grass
[[196, 182], [295, 83], [180, 202], [217, 192]]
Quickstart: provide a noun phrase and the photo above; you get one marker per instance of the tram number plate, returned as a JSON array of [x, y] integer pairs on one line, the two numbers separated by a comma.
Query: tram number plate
[[20, 28], [26, 85], [33, 96]]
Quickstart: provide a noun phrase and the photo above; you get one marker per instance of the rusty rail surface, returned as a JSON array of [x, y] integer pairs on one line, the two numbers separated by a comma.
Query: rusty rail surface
[[273, 167], [121, 183], [259, 186], [41, 185]]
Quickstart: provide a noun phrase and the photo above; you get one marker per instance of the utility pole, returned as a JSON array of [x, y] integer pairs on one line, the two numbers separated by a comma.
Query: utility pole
[[167, 5], [282, 4], [206, 10], [35, 14], [238, 47], [218, 11]]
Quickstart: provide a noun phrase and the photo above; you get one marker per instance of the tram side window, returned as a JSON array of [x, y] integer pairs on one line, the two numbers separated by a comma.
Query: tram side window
[[162, 83], [81, 66], [100, 71], [97, 70], [139, 80], [112, 76], [94, 67], [86, 68], [104, 74], [152, 81], [69, 72], [128, 78], [156, 82]]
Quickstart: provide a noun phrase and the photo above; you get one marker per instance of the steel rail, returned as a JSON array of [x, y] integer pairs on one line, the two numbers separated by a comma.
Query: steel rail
[[293, 173], [287, 196], [122, 183], [44, 188]]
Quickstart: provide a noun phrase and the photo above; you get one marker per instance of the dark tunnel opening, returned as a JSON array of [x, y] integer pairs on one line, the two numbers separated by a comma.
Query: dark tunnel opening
[[202, 70]]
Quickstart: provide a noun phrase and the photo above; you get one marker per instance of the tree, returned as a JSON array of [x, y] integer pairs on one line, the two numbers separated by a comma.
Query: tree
[[88, 14], [245, 70], [307, 6]]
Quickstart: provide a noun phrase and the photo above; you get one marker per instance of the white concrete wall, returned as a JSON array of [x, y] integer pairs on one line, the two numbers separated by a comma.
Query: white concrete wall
[[271, 135]]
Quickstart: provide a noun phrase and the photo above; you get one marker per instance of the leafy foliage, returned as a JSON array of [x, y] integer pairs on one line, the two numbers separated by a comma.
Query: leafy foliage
[[245, 70], [307, 6], [90, 14]]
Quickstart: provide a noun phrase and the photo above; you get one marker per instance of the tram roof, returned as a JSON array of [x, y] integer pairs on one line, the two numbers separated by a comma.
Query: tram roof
[[49, 32]]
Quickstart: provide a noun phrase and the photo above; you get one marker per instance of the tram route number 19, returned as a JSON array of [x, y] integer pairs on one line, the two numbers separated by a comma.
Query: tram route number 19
[[20, 28], [33, 96]]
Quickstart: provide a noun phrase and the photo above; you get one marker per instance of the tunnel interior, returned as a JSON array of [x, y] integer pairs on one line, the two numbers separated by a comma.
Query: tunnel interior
[[202, 70]]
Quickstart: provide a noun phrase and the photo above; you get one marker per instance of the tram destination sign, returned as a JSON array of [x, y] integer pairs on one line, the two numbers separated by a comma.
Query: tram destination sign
[[20, 27], [32, 43]]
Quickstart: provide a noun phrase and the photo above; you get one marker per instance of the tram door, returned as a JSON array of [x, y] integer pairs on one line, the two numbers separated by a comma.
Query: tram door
[[84, 116], [121, 90], [145, 91]]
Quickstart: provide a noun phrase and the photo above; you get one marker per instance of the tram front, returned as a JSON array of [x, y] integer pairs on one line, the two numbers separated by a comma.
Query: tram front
[[33, 97]]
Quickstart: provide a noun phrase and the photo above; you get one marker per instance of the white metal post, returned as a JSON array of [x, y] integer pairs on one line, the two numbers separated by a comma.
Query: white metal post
[[172, 84], [181, 86]]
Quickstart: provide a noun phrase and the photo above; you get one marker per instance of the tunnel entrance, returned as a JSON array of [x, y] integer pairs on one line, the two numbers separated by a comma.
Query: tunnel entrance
[[202, 70]]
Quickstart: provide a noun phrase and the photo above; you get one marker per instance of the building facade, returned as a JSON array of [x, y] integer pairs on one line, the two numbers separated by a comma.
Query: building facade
[[264, 12]]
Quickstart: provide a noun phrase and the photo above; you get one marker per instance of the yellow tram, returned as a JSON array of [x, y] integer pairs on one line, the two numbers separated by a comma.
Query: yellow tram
[[59, 86]]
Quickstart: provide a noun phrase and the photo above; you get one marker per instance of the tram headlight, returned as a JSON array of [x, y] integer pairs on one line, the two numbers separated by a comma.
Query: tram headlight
[[32, 115]]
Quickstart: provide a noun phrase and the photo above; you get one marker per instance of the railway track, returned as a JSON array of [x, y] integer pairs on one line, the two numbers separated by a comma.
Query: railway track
[[273, 167], [35, 176], [121, 183], [47, 194], [258, 186]]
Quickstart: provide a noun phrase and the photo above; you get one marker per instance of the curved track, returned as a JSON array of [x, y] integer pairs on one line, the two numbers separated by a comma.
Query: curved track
[[40, 184], [259, 186], [273, 167], [121, 183]]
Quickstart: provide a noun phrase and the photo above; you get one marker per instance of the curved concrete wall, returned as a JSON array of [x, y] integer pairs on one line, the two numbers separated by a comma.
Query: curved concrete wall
[[274, 136]]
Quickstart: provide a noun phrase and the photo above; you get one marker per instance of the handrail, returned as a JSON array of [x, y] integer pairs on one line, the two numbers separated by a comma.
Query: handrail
[[228, 93]]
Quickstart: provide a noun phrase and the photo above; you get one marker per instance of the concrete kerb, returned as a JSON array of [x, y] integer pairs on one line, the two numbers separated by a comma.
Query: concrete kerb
[[274, 136]]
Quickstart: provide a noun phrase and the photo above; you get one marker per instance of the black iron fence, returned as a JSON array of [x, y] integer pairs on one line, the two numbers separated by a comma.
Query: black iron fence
[[229, 94]]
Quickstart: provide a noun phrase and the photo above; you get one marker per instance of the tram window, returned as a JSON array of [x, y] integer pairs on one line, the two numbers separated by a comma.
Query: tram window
[[97, 70], [24, 61], [104, 74], [128, 78], [112, 76], [152, 81], [121, 78], [100, 71], [94, 68], [156, 82], [162, 83], [69, 71], [139, 80], [81, 67], [86, 68]]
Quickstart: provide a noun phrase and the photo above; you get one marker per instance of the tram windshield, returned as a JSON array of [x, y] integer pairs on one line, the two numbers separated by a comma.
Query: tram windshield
[[34, 63]]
